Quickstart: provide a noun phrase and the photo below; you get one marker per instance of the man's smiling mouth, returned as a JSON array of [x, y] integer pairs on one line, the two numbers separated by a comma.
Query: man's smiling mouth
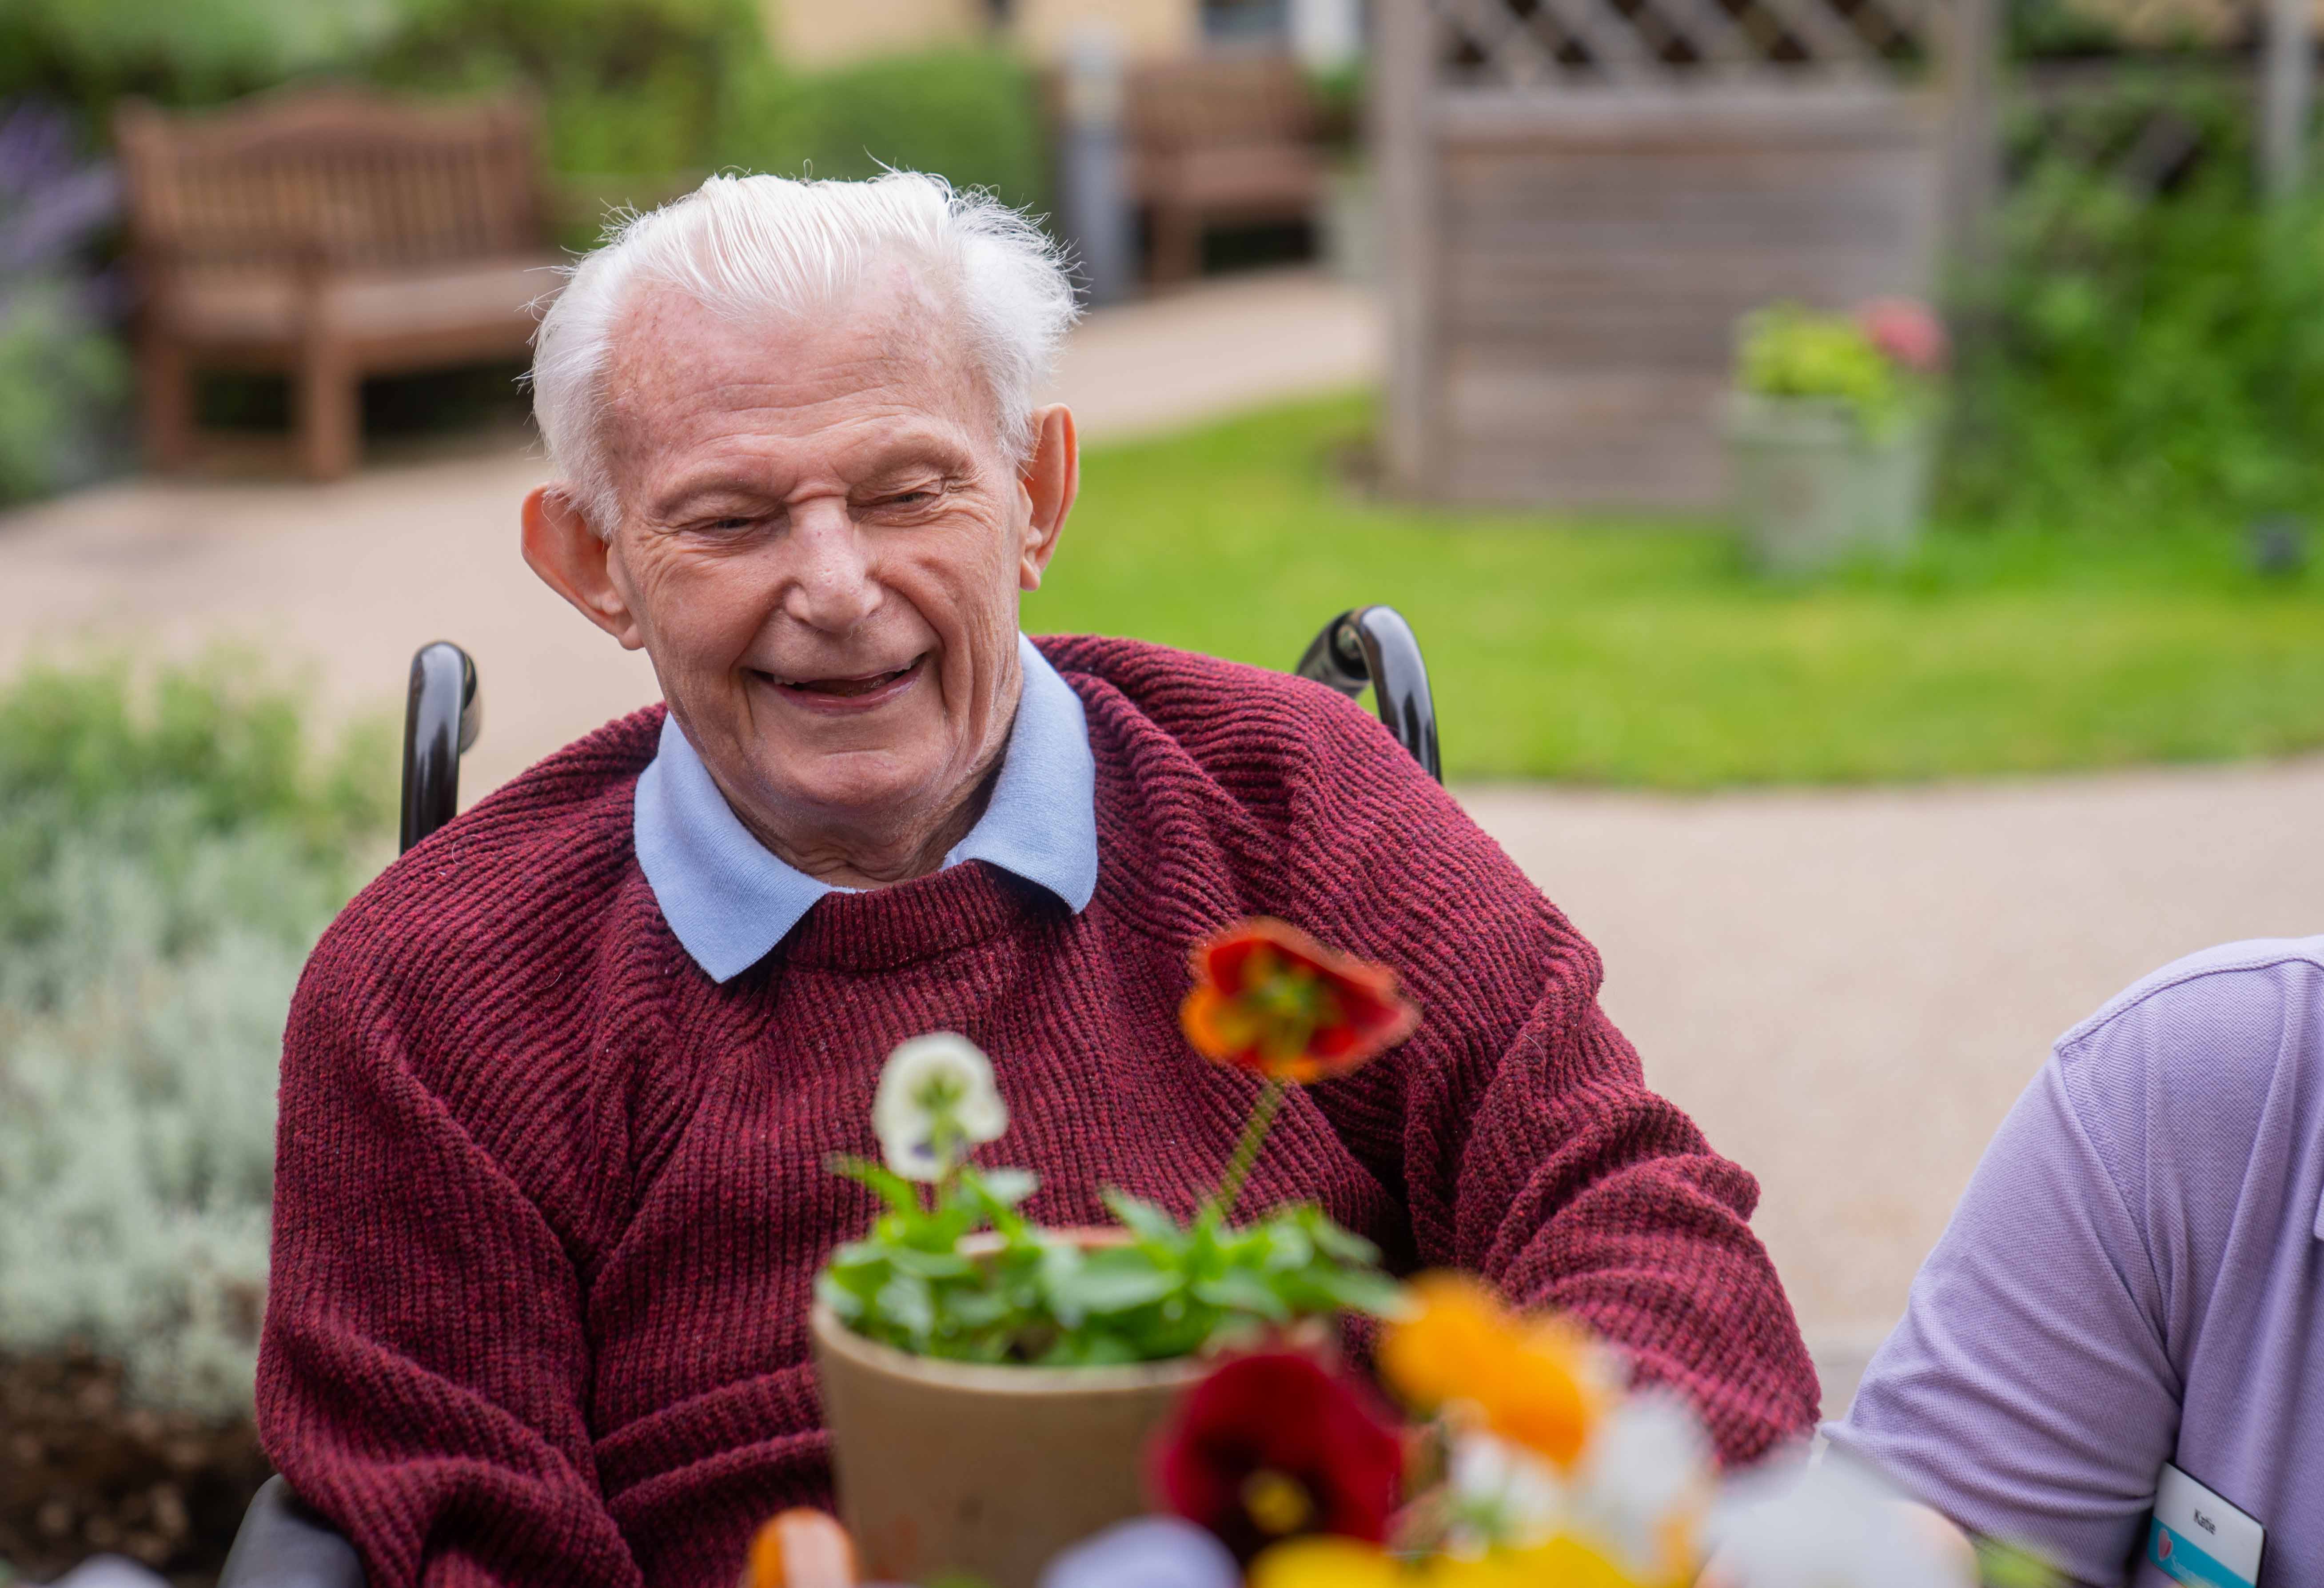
[[847, 688]]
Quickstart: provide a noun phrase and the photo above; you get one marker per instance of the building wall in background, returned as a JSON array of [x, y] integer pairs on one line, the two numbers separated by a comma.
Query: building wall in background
[[810, 33], [1325, 34], [1142, 29]]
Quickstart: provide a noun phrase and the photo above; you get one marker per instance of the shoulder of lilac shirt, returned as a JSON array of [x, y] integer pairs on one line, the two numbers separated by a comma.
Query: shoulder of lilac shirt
[[2133, 1277]]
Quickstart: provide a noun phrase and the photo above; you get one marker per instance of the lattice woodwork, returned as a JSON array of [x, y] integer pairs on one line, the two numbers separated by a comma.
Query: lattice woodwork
[[2111, 131], [1522, 44]]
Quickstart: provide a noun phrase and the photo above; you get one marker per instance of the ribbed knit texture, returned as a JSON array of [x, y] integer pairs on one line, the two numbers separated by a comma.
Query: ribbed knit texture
[[548, 1202]]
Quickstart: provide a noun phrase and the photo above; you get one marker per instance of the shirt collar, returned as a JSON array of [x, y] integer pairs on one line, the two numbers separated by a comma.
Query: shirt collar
[[729, 900]]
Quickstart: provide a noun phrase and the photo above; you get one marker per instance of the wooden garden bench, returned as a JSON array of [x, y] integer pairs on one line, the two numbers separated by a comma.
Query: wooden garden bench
[[327, 235], [1219, 140]]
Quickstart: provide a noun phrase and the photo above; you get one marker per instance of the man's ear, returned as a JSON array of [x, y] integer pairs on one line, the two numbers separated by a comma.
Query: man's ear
[[565, 552], [1052, 478]]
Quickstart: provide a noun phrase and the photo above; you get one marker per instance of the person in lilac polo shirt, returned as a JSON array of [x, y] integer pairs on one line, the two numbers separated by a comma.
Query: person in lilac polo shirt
[[2134, 1276]]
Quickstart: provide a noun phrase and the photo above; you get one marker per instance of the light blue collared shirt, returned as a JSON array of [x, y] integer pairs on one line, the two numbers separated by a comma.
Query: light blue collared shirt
[[729, 900]]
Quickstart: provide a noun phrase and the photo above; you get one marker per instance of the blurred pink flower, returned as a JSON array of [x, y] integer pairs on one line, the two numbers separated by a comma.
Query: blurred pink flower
[[1907, 331]]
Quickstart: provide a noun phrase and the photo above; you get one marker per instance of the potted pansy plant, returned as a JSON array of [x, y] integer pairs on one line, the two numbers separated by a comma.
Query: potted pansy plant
[[990, 1385], [1523, 1457], [1830, 430]]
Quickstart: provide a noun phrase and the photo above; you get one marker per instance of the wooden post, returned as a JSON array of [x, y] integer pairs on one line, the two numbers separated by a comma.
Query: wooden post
[[2285, 92], [1972, 49], [1406, 158]]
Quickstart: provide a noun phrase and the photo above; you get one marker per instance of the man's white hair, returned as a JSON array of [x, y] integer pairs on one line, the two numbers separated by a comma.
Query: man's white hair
[[754, 245]]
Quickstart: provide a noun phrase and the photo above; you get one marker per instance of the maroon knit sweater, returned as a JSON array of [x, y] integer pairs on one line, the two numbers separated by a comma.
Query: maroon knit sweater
[[548, 1200]]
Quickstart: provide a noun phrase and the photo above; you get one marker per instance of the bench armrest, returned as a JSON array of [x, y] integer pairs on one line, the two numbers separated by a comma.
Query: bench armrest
[[284, 1545]]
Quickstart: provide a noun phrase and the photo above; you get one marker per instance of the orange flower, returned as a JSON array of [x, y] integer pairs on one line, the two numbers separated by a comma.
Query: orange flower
[[1532, 1381], [1270, 999], [800, 1548]]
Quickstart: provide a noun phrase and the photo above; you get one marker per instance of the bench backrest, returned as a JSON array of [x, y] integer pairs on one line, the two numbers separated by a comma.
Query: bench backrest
[[1219, 99], [335, 173]]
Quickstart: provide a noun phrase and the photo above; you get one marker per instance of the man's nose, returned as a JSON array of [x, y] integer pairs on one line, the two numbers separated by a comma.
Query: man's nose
[[831, 586]]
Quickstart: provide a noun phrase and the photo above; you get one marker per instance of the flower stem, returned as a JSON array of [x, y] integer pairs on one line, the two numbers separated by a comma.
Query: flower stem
[[1246, 1152]]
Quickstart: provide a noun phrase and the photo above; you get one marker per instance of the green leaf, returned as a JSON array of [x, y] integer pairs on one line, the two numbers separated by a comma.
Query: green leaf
[[1241, 1291], [968, 1311], [1357, 1291], [896, 1191], [1143, 1219], [859, 1255], [1288, 1247], [930, 1265], [1001, 1189], [905, 1301], [837, 1297], [1334, 1242], [2003, 1565], [1115, 1281], [1099, 1350]]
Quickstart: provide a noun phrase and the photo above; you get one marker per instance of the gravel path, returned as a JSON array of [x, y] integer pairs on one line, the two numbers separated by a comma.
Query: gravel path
[[1848, 990]]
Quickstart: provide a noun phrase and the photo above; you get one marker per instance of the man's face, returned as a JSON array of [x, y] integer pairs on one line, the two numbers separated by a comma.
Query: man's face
[[821, 545]]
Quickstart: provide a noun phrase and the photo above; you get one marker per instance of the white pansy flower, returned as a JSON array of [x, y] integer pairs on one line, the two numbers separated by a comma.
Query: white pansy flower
[[1148, 1552], [1644, 1482], [935, 1100], [1503, 1496], [1831, 1524]]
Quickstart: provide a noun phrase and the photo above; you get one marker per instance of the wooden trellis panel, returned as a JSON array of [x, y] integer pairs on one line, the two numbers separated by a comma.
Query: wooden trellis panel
[[1583, 196]]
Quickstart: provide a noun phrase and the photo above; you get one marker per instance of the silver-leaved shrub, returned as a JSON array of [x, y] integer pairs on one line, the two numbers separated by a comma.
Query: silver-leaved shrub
[[153, 925]]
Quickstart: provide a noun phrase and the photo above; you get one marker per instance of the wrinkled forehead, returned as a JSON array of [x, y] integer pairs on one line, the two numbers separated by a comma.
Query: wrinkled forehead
[[681, 371]]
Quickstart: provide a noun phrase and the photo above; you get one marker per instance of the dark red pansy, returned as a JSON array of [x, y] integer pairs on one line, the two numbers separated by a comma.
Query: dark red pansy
[[1271, 1446]]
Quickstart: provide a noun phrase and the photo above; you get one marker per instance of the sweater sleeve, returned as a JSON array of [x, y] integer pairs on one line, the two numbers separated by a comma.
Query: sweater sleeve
[[1544, 1164], [1518, 1121], [422, 1366]]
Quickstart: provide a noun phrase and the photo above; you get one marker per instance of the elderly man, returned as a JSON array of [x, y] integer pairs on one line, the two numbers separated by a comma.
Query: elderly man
[[559, 1087]]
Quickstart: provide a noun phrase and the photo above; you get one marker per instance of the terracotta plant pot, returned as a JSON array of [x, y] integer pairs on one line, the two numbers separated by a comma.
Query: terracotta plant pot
[[948, 1466]]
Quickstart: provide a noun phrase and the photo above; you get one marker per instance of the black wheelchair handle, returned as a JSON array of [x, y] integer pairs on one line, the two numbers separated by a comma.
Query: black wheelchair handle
[[441, 718], [284, 1545], [1374, 645]]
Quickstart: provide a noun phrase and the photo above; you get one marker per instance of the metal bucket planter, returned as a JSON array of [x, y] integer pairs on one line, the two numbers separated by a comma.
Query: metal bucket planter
[[991, 1471], [1810, 489]]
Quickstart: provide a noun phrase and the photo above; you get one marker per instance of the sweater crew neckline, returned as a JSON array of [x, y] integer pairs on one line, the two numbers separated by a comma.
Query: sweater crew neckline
[[942, 913]]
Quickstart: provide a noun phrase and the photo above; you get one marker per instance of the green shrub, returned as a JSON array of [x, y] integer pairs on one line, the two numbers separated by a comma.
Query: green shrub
[[973, 116], [89, 52], [2146, 361], [62, 373], [168, 855], [626, 86]]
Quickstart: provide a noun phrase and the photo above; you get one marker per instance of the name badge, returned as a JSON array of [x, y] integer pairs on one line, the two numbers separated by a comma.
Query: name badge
[[2199, 1538]]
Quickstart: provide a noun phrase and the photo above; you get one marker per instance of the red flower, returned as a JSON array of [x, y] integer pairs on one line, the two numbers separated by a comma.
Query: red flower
[[1271, 1446], [1907, 331], [1270, 999]]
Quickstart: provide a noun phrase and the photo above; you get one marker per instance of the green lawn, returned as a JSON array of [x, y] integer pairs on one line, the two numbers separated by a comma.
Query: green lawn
[[1644, 653]]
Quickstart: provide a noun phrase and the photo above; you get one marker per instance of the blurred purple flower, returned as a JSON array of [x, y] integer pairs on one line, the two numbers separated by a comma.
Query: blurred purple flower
[[1150, 1552], [51, 203]]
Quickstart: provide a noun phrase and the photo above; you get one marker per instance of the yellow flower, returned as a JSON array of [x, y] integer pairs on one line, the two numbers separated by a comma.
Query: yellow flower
[[1567, 1563], [1530, 1380], [1323, 1560]]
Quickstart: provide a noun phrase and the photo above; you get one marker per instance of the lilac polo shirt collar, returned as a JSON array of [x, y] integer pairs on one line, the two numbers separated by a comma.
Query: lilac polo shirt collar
[[730, 900]]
